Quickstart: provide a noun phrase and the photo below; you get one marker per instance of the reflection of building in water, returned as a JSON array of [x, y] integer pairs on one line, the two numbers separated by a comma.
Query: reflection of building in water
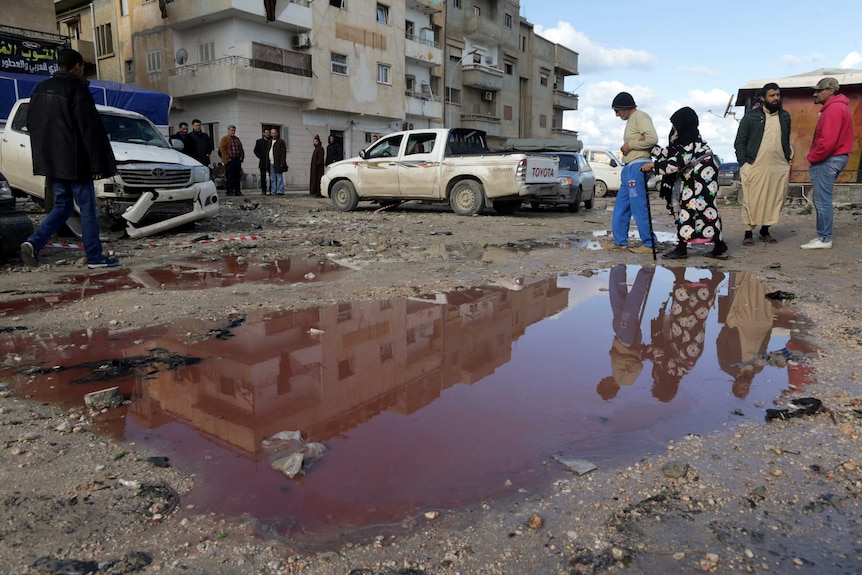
[[324, 371]]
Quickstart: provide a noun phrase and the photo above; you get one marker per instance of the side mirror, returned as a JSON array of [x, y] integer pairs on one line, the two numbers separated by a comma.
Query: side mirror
[[177, 144], [614, 163], [362, 154]]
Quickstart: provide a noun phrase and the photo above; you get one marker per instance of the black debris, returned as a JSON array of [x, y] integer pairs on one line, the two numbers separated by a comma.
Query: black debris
[[224, 332], [160, 359], [64, 566], [159, 461], [203, 238], [160, 498], [780, 295], [807, 406]]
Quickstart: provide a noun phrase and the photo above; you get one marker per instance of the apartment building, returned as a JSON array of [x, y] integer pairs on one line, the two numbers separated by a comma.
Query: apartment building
[[348, 68]]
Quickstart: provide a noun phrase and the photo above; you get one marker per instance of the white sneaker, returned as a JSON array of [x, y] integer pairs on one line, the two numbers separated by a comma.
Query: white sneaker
[[816, 244]]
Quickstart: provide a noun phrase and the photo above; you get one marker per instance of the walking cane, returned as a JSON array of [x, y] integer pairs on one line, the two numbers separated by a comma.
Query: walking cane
[[649, 214]]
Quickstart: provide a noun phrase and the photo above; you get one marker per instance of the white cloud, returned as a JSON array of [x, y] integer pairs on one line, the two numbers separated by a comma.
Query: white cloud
[[593, 57], [697, 70], [851, 60], [809, 60]]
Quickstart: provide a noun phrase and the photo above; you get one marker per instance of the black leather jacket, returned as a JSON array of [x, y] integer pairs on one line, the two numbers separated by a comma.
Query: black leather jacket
[[750, 134], [67, 138]]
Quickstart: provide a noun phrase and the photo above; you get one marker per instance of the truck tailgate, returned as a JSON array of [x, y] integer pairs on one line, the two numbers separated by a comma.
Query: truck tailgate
[[541, 169]]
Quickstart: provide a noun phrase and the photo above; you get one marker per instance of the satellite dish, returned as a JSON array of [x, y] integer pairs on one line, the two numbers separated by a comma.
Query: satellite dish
[[182, 56]]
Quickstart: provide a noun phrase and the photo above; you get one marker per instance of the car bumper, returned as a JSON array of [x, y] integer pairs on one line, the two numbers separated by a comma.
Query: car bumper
[[171, 208]]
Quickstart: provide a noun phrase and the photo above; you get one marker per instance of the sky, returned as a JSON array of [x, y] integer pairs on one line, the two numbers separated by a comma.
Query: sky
[[671, 54]]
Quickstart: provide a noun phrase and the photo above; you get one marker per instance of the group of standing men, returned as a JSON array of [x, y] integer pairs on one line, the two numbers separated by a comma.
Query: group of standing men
[[689, 169], [271, 152]]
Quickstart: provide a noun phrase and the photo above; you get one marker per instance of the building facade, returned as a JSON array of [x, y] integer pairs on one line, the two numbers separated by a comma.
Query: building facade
[[348, 68]]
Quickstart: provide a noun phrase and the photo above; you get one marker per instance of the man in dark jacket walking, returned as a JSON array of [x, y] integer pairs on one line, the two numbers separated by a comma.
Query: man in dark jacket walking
[[334, 151], [71, 148]]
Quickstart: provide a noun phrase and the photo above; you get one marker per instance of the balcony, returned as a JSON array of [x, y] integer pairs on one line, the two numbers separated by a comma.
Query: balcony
[[488, 124], [565, 61], [565, 100], [87, 49], [482, 28], [286, 79], [424, 107], [482, 77], [294, 15], [423, 52], [426, 6]]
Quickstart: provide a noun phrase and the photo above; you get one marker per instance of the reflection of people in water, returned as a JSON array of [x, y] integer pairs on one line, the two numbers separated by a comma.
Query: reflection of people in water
[[627, 349], [746, 331], [679, 334]]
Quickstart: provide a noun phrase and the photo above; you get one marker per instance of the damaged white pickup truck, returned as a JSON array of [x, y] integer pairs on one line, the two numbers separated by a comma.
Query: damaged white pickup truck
[[157, 187]]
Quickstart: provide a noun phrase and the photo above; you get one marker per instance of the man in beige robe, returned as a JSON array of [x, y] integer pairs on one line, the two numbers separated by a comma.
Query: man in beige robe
[[763, 151]]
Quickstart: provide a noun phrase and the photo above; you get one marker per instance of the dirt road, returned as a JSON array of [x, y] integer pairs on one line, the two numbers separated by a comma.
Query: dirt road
[[775, 497]]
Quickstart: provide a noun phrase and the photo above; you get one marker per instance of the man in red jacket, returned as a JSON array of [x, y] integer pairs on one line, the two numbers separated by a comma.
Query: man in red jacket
[[830, 149]]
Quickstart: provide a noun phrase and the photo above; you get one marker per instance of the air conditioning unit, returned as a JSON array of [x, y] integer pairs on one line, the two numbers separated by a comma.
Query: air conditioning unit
[[407, 126], [301, 41], [489, 96]]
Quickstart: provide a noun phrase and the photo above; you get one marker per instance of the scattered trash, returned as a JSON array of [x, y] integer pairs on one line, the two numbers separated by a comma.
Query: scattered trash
[[440, 233], [309, 276], [335, 243], [224, 332], [315, 331], [133, 561], [578, 466], [775, 266], [159, 461], [287, 452], [780, 295], [104, 399], [809, 406], [203, 238], [249, 207], [535, 521], [106, 369], [162, 500]]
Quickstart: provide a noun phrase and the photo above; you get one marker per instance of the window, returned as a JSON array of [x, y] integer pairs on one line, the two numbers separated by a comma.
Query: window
[[507, 112], [453, 96], [339, 64], [410, 85], [124, 7], [206, 52], [507, 20], [337, 3], [154, 61], [385, 351], [104, 39], [477, 11], [130, 70], [456, 4], [543, 121], [409, 28], [523, 43], [509, 68], [383, 14], [344, 311], [383, 71], [73, 28], [543, 79]]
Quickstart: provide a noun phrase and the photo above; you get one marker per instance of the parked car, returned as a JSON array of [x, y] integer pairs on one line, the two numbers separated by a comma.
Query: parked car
[[728, 173], [577, 179], [607, 169]]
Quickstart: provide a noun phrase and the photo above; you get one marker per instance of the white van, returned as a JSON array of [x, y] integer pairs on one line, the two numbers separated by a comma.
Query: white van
[[607, 169]]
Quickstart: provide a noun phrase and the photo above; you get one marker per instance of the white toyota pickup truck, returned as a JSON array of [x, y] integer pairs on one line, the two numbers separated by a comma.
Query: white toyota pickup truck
[[441, 165], [157, 187]]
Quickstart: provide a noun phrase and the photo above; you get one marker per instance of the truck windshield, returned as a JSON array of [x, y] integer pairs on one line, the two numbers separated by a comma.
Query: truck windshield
[[132, 131], [569, 163]]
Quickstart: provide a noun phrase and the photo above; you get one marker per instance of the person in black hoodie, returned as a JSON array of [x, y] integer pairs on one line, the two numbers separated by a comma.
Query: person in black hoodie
[[334, 151], [71, 148]]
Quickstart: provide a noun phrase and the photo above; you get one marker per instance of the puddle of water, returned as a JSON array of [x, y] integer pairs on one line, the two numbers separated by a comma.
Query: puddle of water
[[442, 400], [186, 274]]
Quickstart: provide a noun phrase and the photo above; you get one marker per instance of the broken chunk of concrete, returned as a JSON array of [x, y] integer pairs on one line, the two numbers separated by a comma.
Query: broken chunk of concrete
[[104, 399], [288, 453], [575, 465]]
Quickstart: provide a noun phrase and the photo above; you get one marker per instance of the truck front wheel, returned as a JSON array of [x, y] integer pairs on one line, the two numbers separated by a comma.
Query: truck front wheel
[[344, 196], [467, 198]]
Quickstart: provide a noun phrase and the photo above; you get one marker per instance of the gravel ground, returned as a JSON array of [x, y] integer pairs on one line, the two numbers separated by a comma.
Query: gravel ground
[[774, 497]]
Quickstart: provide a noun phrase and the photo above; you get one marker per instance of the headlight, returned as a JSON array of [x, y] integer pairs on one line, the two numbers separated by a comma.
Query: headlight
[[565, 181], [201, 174]]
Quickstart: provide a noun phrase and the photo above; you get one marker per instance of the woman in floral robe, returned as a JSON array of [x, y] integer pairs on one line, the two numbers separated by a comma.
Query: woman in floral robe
[[690, 161]]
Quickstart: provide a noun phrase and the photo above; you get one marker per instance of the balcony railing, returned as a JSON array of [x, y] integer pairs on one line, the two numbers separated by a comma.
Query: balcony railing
[[298, 69], [565, 100], [421, 40]]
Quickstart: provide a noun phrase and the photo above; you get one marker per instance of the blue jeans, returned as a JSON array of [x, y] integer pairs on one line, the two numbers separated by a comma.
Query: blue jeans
[[626, 305], [823, 175], [66, 194], [276, 182], [632, 201]]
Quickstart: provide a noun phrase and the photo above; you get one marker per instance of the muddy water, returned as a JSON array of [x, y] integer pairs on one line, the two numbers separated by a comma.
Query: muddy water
[[437, 401], [184, 274]]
